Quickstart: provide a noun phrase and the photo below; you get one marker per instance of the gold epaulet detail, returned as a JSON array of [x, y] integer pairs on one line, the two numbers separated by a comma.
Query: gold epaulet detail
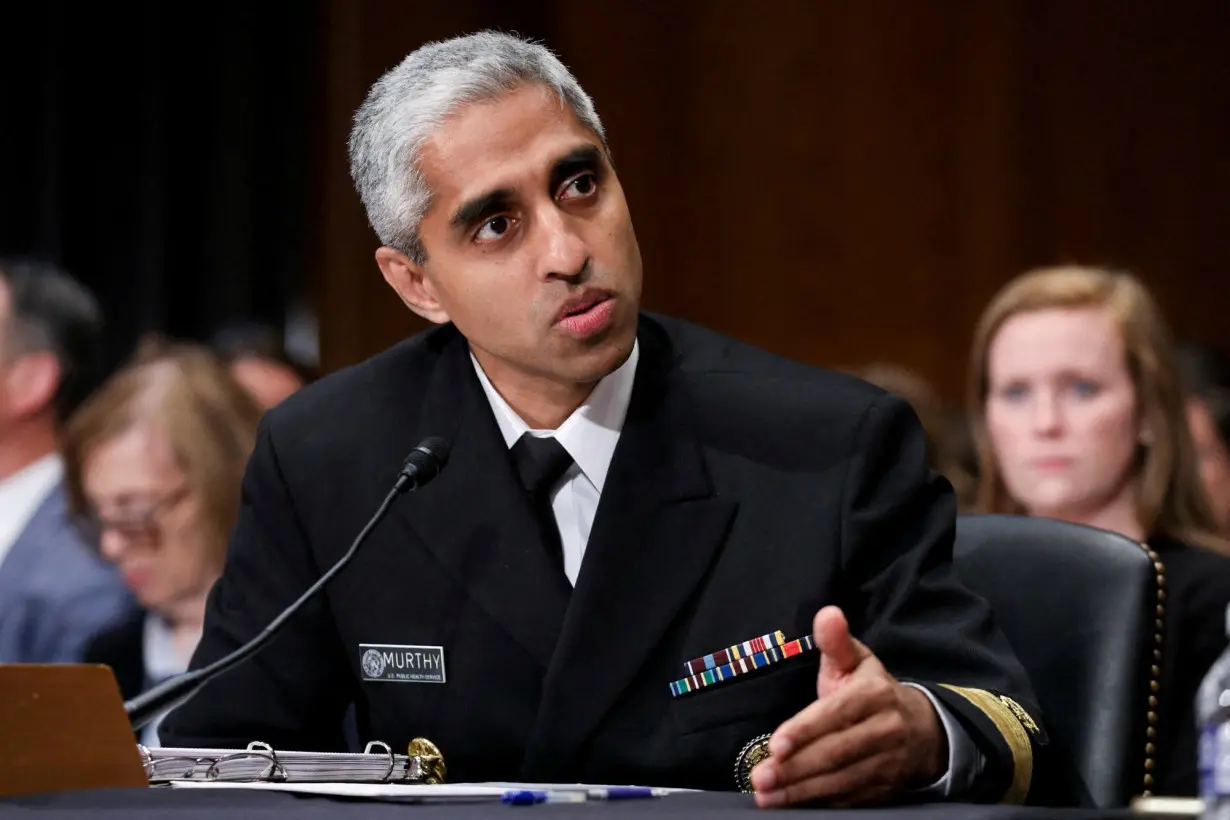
[[1015, 724]]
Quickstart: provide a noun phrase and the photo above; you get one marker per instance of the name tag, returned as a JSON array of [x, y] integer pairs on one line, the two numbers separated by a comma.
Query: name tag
[[402, 664]]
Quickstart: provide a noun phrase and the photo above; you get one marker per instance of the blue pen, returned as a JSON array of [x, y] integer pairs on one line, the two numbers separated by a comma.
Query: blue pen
[[625, 793], [533, 798]]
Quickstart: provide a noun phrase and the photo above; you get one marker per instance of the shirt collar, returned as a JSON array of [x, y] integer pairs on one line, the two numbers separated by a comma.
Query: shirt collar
[[36, 478], [591, 432], [162, 659], [21, 495]]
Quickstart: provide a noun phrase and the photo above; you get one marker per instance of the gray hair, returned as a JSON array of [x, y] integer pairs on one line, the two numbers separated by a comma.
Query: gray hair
[[406, 105]]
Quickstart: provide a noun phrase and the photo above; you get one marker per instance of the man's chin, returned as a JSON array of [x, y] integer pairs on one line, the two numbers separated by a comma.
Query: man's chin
[[600, 358]]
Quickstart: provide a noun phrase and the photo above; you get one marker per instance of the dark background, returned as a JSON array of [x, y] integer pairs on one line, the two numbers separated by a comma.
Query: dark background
[[164, 153], [837, 180]]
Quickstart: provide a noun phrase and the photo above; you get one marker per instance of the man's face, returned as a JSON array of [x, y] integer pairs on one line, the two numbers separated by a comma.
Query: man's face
[[530, 248], [28, 378]]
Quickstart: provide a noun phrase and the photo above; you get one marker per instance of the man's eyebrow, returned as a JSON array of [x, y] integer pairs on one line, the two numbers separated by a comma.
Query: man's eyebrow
[[584, 158], [473, 210]]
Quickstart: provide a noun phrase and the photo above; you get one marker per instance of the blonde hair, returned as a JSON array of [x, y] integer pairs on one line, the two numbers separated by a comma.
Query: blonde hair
[[1171, 500], [208, 418]]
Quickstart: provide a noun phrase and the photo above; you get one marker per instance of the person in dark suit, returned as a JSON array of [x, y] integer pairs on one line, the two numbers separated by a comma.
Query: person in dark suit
[[1079, 415], [625, 494]]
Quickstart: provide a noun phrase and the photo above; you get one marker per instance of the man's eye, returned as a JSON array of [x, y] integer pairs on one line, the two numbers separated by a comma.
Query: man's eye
[[493, 229], [580, 187]]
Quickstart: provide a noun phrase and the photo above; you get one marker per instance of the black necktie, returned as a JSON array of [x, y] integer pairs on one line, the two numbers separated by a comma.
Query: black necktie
[[541, 463]]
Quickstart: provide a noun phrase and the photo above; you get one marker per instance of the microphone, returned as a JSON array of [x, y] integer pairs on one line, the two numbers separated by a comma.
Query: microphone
[[422, 465]]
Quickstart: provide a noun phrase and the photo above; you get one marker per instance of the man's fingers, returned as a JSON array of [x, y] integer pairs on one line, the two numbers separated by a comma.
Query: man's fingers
[[834, 752], [840, 653], [863, 780], [839, 710]]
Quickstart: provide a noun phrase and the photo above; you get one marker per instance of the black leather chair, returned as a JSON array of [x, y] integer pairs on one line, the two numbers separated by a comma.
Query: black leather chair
[[1080, 607]]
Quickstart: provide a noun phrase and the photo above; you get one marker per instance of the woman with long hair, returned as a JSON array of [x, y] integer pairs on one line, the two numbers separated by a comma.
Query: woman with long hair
[[1078, 414]]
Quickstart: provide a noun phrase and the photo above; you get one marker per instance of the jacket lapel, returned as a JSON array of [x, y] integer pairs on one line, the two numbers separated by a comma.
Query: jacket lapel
[[26, 555], [474, 517], [656, 532]]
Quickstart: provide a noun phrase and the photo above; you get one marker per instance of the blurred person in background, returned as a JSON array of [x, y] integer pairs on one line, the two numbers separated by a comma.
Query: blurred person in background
[[1205, 373], [55, 592], [961, 458], [258, 360], [1079, 415], [154, 462], [942, 429]]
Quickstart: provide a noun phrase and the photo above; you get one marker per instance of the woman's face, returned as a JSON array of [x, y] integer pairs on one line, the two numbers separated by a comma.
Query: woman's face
[[1213, 459], [1061, 411], [149, 519]]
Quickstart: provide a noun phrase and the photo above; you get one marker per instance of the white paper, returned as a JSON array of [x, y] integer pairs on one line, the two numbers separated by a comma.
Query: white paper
[[371, 790], [411, 792], [564, 787]]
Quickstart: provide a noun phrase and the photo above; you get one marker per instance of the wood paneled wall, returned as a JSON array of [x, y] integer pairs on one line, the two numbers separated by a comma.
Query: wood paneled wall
[[850, 180]]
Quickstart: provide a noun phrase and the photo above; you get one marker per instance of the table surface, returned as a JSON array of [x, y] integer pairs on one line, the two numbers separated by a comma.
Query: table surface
[[198, 804]]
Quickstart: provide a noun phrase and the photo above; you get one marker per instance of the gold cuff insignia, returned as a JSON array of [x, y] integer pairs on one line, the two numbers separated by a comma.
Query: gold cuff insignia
[[1016, 726], [426, 758], [756, 750]]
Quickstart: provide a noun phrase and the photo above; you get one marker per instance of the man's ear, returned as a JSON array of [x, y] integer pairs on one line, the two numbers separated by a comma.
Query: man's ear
[[409, 279], [31, 383]]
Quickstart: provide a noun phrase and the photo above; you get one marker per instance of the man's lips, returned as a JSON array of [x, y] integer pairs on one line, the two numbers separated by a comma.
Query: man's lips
[[586, 316], [580, 303]]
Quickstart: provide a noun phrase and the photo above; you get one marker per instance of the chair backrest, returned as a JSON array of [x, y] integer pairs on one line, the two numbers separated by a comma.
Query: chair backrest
[[1080, 608]]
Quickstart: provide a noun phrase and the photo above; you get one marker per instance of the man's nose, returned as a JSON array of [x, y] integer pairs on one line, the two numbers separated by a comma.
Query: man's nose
[[565, 253]]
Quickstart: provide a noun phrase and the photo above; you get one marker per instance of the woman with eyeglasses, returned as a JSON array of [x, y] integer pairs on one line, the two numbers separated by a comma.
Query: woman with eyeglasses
[[153, 463]]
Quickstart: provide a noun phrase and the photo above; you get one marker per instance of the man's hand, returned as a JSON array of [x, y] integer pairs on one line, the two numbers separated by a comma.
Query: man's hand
[[866, 738]]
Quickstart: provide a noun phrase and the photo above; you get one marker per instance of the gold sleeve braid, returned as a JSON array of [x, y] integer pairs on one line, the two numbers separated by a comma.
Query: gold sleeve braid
[[1015, 724]]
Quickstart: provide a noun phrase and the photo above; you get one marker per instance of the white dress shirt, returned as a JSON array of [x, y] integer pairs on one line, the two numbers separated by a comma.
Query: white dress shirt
[[162, 662], [590, 435], [22, 493]]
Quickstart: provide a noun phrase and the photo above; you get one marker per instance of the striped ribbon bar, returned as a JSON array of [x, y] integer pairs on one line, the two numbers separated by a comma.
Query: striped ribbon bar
[[739, 666], [734, 653]]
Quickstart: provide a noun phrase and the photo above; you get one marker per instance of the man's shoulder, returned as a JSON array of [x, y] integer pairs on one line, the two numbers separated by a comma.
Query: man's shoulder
[[352, 395], [739, 381], [61, 565]]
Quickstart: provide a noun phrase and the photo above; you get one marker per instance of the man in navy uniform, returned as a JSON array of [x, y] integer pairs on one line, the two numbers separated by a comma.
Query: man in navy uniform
[[629, 500]]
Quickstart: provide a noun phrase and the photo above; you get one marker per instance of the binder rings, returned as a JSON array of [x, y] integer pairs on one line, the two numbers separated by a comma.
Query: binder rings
[[260, 762], [45, 707]]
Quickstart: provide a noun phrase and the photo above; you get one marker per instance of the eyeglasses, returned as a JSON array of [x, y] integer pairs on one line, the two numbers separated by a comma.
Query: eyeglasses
[[138, 522]]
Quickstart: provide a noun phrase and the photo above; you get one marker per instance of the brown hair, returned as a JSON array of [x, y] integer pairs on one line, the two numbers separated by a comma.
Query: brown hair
[[1171, 501], [210, 421]]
